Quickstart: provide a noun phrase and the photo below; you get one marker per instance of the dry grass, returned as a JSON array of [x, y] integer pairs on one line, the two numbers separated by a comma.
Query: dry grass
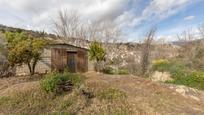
[[28, 98], [146, 97], [113, 95]]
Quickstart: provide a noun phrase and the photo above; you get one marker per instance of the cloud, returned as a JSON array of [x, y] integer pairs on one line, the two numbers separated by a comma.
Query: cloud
[[160, 9], [40, 12], [189, 18], [130, 15]]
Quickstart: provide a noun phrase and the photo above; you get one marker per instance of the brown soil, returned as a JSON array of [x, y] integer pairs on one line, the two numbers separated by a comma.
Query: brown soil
[[147, 97], [144, 96]]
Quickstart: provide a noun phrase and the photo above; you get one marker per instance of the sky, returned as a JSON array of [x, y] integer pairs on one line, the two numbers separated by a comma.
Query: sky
[[134, 17]]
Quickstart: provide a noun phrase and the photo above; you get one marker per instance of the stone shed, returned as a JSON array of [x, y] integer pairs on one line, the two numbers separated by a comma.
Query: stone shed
[[60, 57]]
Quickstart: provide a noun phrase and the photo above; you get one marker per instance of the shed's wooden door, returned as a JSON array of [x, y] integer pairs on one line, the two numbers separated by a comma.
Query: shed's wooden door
[[72, 61]]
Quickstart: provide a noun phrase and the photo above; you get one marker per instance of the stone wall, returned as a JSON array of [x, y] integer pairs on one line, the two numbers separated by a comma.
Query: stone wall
[[44, 65]]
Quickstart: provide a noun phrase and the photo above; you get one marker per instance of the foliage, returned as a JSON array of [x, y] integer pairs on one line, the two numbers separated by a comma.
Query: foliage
[[176, 70], [51, 80], [97, 53], [180, 74], [164, 65], [112, 94], [24, 49], [161, 65], [49, 84], [111, 70], [194, 79], [123, 71]]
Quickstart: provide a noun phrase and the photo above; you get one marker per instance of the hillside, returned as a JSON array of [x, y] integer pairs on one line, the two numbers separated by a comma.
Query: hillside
[[129, 53], [143, 97]]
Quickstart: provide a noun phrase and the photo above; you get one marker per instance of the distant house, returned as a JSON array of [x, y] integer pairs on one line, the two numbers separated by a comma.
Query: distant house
[[61, 57]]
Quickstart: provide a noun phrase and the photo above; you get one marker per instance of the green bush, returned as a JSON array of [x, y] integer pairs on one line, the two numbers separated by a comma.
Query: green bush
[[161, 65], [180, 74], [109, 70], [123, 71], [49, 84], [194, 79], [175, 69], [51, 80]]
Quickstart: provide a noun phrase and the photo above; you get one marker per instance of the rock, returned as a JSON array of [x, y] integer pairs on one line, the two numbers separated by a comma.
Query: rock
[[188, 92], [66, 86], [161, 76]]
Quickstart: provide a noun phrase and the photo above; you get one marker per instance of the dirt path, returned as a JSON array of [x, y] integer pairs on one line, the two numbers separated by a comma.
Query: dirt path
[[147, 97]]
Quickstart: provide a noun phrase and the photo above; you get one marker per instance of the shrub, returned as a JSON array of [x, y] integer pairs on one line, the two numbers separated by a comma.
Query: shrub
[[49, 84], [76, 79], [161, 65], [123, 71], [194, 79], [180, 74], [176, 70], [109, 70], [97, 53], [52, 80]]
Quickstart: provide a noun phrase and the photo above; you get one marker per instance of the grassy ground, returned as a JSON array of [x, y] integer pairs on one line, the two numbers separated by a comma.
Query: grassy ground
[[113, 95]]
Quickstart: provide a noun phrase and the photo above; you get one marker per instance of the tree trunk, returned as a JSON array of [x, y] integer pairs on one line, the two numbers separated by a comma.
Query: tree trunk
[[30, 69], [97, 66], [33, 66]]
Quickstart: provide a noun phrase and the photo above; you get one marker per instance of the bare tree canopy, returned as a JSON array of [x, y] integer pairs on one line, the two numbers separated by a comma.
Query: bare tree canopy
[[146, 50], [186, 35], [201, 30], [70, 25]]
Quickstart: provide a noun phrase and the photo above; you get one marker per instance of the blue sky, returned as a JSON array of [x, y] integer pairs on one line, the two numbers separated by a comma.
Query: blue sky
[[135, 17]]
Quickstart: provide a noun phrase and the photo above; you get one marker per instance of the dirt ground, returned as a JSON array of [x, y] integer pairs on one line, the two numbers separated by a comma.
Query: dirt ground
[[147, 97], [144, 96]]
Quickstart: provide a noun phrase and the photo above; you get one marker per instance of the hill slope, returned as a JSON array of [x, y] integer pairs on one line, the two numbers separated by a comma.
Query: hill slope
[[143, 96]]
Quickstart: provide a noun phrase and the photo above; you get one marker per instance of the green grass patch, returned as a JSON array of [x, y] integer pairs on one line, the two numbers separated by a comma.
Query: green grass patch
[[181, 75], [194, 80], [4, 100]]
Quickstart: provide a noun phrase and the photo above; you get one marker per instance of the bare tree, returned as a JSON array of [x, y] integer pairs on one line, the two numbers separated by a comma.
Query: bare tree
[[146, 50], [186, 38], [201, 30], [68, 26], [186, 35], [191, 50]]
